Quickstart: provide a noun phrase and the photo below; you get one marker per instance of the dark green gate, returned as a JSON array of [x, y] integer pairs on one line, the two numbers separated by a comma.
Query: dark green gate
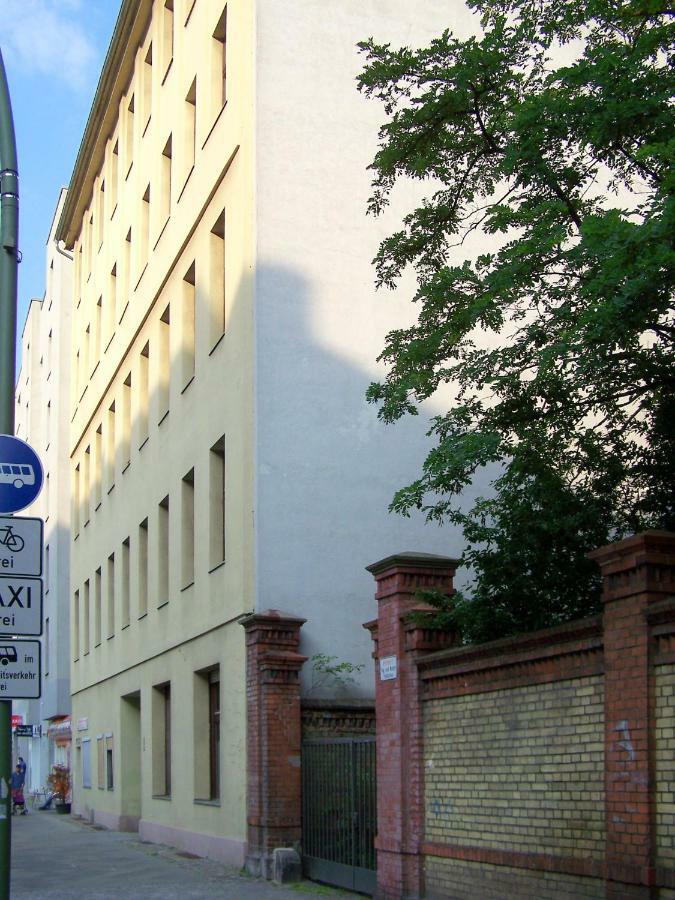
[[339, 812]]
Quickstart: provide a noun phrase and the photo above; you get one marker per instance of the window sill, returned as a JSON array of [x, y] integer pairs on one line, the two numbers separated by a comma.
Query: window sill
[[126, 466], [187, 384], [161, 797], [187, 586], [143, 443], [110, 637], [140, 277], [111, 488], [217, 344], [163, 418], [125, 626], [143, 616], [161, 232], [168, 69], [126, 306], [163, 605], [199, 802], [215, 122], [185, 183], [217, 566]]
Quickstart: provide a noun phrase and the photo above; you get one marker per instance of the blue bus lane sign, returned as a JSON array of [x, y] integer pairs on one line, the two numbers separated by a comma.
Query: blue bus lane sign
[[20, 474]]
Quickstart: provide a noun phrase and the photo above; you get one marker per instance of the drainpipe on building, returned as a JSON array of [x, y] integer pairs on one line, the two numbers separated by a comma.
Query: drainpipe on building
[[9, 259]]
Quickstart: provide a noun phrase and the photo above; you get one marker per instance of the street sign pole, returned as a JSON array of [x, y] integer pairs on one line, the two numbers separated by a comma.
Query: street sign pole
[[9, 258]]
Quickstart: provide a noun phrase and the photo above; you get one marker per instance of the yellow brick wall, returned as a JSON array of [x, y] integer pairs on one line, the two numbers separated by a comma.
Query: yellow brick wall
[[519, 769], [459, 880], [664, 764]]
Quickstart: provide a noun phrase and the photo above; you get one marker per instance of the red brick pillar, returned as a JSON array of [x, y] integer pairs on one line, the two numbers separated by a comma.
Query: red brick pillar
[[637, 572], [400, 744], [273, 735]]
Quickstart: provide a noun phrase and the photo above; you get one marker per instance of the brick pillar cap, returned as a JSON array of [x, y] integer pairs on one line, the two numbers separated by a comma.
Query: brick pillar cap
[[410, 559], [622, 554], [271, 617]]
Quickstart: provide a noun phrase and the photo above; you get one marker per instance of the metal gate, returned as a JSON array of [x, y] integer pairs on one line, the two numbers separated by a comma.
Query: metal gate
[[339, 817]]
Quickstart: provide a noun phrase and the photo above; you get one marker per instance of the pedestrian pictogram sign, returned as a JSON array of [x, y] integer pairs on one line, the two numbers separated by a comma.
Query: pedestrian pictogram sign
[[20, 474], [19, 670], [20, 546], [21, 606]]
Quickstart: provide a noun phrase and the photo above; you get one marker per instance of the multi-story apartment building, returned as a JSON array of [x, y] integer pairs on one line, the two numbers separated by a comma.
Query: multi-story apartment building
[[42, 419], [223, 458]]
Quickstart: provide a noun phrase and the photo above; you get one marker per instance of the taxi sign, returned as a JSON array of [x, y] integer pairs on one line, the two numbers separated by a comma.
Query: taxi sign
[[20, 606], [20, 474]]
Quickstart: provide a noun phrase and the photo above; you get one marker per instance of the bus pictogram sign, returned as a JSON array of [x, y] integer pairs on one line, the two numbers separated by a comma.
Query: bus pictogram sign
[[20, 474]]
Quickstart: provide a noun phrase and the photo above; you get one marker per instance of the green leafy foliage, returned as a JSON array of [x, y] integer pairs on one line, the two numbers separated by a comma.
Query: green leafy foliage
[[551, 132]]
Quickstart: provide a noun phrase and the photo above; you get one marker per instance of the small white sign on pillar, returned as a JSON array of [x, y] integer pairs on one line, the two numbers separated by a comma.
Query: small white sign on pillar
[[388, 668]]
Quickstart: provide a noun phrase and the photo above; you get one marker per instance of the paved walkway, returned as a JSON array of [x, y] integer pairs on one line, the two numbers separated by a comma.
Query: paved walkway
[[58, 858]]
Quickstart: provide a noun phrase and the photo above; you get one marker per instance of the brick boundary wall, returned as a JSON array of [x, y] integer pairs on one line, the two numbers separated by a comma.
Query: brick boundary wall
[[274, 739], [623, 647]]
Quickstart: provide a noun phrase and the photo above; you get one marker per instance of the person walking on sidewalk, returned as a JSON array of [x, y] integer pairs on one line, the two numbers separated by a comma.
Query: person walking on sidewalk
[[18, 801]]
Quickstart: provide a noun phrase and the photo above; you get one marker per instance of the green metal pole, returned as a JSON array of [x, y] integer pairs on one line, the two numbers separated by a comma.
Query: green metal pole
[[9, 248]]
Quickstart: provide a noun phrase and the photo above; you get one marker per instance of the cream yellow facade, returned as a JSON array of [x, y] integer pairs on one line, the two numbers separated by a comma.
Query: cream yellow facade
[[162, 353], [223, 458]]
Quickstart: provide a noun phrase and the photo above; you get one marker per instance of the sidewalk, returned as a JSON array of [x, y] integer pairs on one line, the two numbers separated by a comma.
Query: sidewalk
[[59, 858]]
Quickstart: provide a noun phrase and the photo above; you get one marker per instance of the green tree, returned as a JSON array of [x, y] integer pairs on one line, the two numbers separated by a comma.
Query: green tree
[[551, 131]]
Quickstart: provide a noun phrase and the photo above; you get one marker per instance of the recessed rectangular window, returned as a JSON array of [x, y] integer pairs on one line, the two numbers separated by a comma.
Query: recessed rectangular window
[[114, 175], [86, 762], [126, 277], [100, 761], [147, 87], [97, 607], [126, 421], [144, 231], [163, 551], [188, 529], [219, 60], [110, 594], [86, 499], [129, 136], [188, 326], [86, 620], [109, 762], [143, 568], [110, 445], [217, 278], [75, 502], [207, 734], [164, 364], [113, 305], [76, 626], [47, 647], [126, 582], [143, 393], [98, 333], [98, 466], [161, 740], [87, 355], [165, 184], [100, 213], [217, 503], [190, 129], [167, 35]]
